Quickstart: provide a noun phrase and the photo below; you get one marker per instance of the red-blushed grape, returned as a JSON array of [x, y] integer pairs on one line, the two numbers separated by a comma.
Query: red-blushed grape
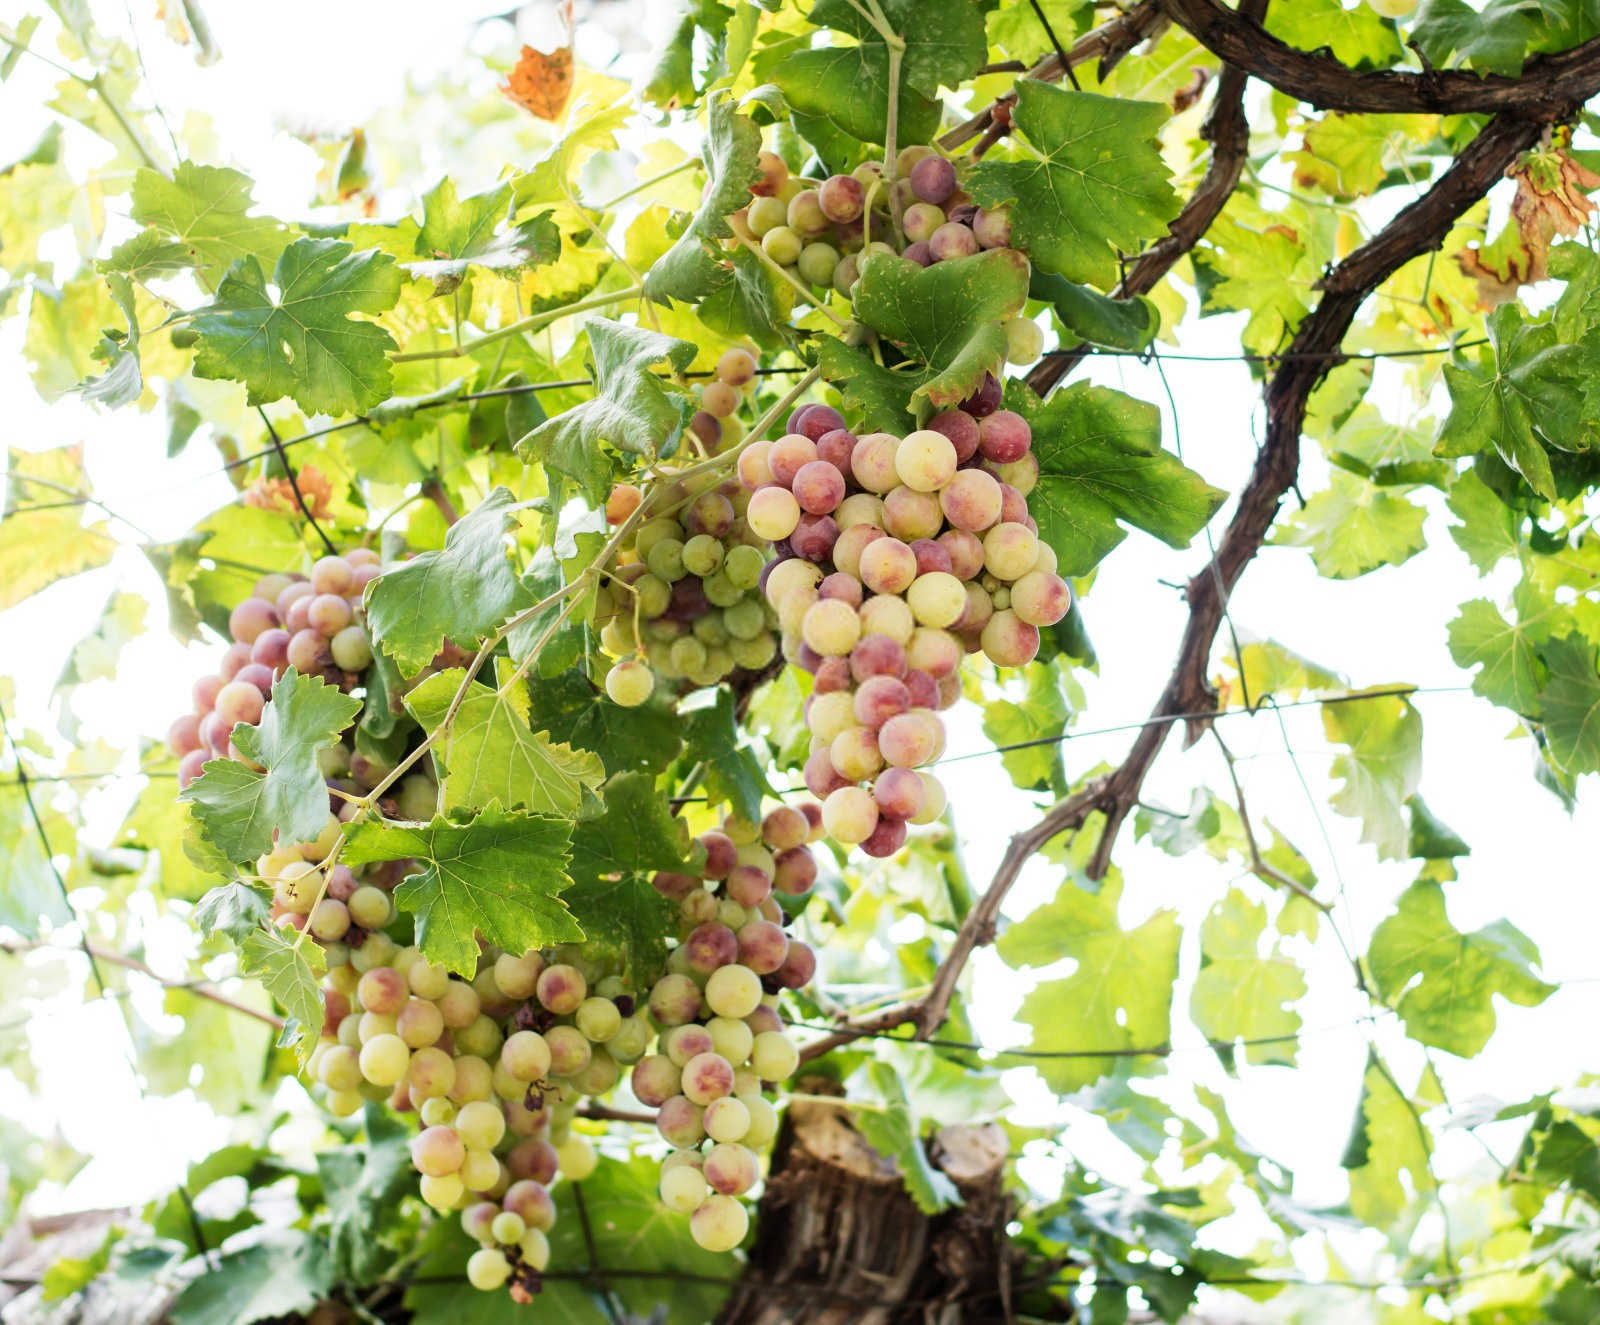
[[795, 575], [711, 946], [681, 1122], [899, 793], [872, 463], [254, 674], [183, 735], [798, 967], [1009, 551], [205, 692], [721, 854], [718, 399], [887, 838], [822, 780], [290, 593], [933, 179], [924, 690], [707, 1076], [530, 1199], [910, 515], [525, 1055], [805, 213], [934, 651], [877, 655], [307, 650], [655, 1080], [238, 701], [419, 1023], [1040, 598], [532, 1160], [936, 599], [788, 455], [1009, 641], [773, 513], [934, 800], [986, 399], [854, 752], [818, 486], [1013, 507], [561, 988], [841, 197], [849, 815], [919, 253], [796, 869], [832, 674], [920, 220], [250, 618], [878, 699], [730, 1168], [762, 946], [852, 542], [569, 1050], [1004, 437], [783, 827], [979, 608], [952, 240], [846, 588], [754, 471], [925, 460], [684, 1042], [931, 556], [720, 1224], [962, 430], [736, 367], [910, 739], [235, 657], [992, 229], [836, 448], [749, 885], [814, 536], [383, 990], [437, 1151], [624, 500], [332, 574], [815, 420], [271, 648], [972, 501], [674, 1000], [887, 566]]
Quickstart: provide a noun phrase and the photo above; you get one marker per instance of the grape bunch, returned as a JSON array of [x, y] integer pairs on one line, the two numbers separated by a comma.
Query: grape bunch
[[314, 624], [682, 602], [818, 231], [722, 1041], [897, 555]]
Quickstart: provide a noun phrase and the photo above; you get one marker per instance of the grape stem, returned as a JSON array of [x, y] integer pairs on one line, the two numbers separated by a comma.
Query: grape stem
[[532, 323], [644, 184], [783, 274]]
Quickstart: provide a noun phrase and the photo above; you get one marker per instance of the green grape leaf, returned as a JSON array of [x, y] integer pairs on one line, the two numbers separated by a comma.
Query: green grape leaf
[[239, 809], [945, 317], [732, 772], [1353, 526], [880, 396], [746, 299], [363, 1184], [636, 834], [496, 874], [692, 267], [232, 910], [490, 753], [1495, 40], [1267, 273], [1039, 713], [1240, 994], [1441, 981], [1120, 995], [458, 233], [1489, 530], [304, 343], [1524, 393], [206, 209], [848, 85], [1571, 703], [894, 1133], [1390, 454], [289, 971], [286, 1274], [1350, 156], [1357, 37], [1097, 319], [631, 408], [641, 740], [1080, 200], [148, 255], [37, 548], [1512, 673], [625, 918], [1382, 768], [461, 593], [1431, 838], [30, 893], [1101, 463], [1387, 1140], [72, 1274]]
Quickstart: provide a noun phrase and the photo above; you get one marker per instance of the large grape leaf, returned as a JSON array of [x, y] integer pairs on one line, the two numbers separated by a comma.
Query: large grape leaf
[[1571, 703], [496, 874], [1101, 466], [945, 317], [644, 739], [206, 209], [1386, 1141], [1239, 993], [631, 408], [462, 592], [636, 834], [1120, 995], [458, 233], [625, 917], [1266, 269], [848, 84], [1098, 319], [732, 773], [893, 1131], [287, 1273], [1522, 394], [1382, 768], [232, 909], [362, 1184], [692, 267], [1353, 526], [29, 892], [1356, 36], [38, 548], [1095, 185], [1512, 672], [1023, 728], [289, 970], [1350, 156], [1489, 530], [304, 342], [1495, 40], [490, 753], [241, 810], [1441, 981]]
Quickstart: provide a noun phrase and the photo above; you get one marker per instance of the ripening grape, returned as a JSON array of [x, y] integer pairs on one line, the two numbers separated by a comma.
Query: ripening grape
[[720, 1224]]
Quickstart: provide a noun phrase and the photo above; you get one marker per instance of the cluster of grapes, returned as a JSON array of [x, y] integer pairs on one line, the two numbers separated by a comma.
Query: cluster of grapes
[[315, 624], [682, 602], [722, 1038], [716, 423], [896, 555], [819, 230]]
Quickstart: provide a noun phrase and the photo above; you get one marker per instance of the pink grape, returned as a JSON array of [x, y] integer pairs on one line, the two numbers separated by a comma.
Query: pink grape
[[255, 674], [707, 1077], [821, 777], [239, 701], [215, 731], [986, 399], [183, 735], [877, 655], [1004, 437], [711, 946], [655, 1080], [934, 651], [908, 739], [193, 764], [919, 253], [788, 455], [236, 656], [762, 946], [250, 618], [846, 588], [979, 608], [286, 596], [855, 754], [530, 1200], [205, 693], [561, 988], [836, 448], [674, 1000], [806, 214], [833, 674], [815, 421], [933, 179], [437, 1151], [707, 427], [992, 229], [920, 220], [873, 462], [328, 614], [569, 1050], [307, 650], [798, 967], [383, 990], [773, 513], [784, 827], [332, 575], [298, 617], [962, 430], [924, 690], [931, 556], [710, 513], [841, 197], [1013, 506], [814, 536], [1009, 641], [1040, 598], [888, 566], [818, 486], [887, 838], [925, 460], [749, 885], [754, 470], [533, 1160], [736, 367], [849, 815], [681, 1122], [699, 907], [730, 1168], [796, 870], [879, 699], [910, 515], [952, 240], [683, 1042], [852, 542], [972, 501], [675, 886], [899, 792], [721, 854], [271, 648]]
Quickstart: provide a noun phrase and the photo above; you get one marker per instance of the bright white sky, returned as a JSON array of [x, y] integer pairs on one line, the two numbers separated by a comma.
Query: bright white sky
[[301, 63]]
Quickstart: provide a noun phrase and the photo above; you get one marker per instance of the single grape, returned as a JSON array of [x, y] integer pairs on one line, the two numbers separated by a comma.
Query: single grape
[[736, 367], [841, 197], [683, 1188], [773, 513], [937, 599], [992, 229], [887, 838], [488, 1269], [933, 179], [887, 566], [1010, 641], [250, 618], [910, 515], [849, 815], [872, 462], [952, 240]]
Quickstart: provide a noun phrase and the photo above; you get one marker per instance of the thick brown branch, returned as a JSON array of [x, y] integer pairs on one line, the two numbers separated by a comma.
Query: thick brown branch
[[1227, 129], [1548, 83], [1107, 43]]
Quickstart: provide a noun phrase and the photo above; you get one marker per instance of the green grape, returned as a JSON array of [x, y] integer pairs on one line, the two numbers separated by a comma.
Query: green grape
[[702, 554], [666, 560], [742, 566], [720, 590], [629, 683], [655, 595], [744, 620]]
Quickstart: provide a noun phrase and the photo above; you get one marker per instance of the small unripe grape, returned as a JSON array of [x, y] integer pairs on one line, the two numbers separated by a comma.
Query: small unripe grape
[[733, 991], [766, 215], [598, 1019], [683, 1188], [1024, 340], [444, 1191], [817, 263], [630, 683], [783, 245], [351, 648], [370, 907], [535, 1249], [488, 1269], [480, 1170], [507, 1227]]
